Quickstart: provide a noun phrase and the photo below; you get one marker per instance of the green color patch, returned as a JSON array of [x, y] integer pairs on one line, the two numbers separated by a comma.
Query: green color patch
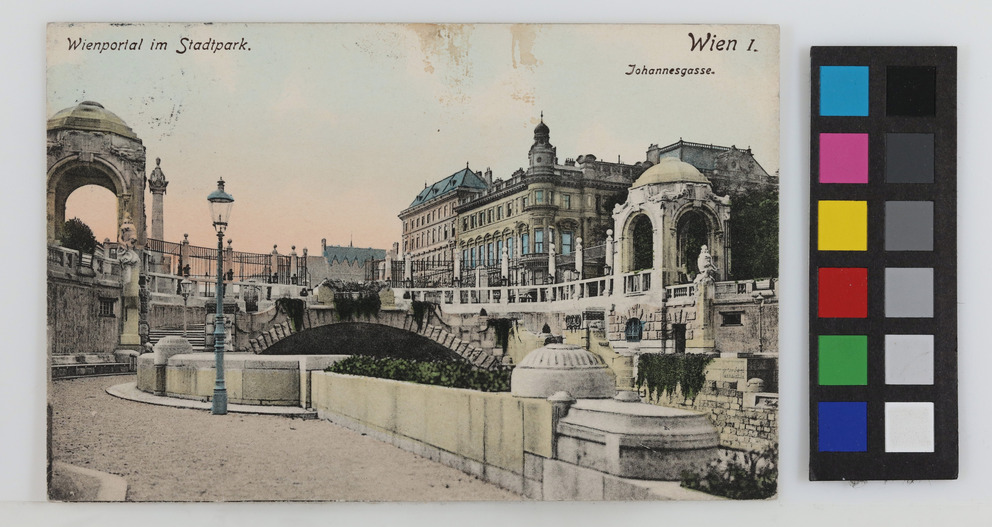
[[843, 360]]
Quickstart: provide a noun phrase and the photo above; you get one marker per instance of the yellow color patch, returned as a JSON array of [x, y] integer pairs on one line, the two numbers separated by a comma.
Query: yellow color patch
[[843, 226]]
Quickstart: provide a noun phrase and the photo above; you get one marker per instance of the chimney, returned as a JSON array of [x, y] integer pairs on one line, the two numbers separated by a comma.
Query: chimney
[[654, 154], [489, 177]]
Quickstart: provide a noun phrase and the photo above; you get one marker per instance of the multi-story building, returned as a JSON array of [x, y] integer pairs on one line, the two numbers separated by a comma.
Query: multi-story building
[[548, 203], [731, 170], [429, 223]]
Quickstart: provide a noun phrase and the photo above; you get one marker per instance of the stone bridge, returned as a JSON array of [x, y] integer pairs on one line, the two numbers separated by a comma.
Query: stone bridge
[[393, 331]]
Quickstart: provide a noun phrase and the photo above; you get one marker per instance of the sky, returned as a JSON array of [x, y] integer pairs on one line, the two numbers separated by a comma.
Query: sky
[[329, 131]]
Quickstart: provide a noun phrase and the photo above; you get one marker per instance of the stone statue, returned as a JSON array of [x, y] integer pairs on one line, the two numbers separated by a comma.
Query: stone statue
[[705, 264]]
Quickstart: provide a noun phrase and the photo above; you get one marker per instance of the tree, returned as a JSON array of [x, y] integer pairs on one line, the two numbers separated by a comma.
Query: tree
[[754, 234], [77, 235]]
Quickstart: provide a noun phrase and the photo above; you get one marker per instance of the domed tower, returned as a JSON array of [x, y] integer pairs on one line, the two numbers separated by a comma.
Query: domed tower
[[542, 152], [670, 213]]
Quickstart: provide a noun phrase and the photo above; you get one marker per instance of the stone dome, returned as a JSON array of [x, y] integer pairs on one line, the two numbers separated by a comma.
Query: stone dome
[[670, 170], [92, 116], [562, 367], [542, 129]]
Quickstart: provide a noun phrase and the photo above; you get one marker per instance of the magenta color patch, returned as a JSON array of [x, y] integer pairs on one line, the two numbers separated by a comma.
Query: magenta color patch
[[843, 158]]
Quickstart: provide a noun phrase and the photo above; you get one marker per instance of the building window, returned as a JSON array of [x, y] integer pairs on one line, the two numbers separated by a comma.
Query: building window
[[499, 213], [634, 330], [524, 202], [489, 254], [538, 241], [473, 221], [732, 318], [524, 243], [566, 243], [464, 257], [509, 210], [509, 248], [566, 201], [599, 203], [538, 196], [482, 219], [472, 261], [464, 224], [499, 250], [445, 232], [551, 197], [107, 307]]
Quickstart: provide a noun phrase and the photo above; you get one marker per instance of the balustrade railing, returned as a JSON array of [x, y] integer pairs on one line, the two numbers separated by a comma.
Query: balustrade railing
[[73, 260]]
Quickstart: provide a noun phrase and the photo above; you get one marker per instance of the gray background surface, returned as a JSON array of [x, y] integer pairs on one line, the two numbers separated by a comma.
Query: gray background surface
[[966, 501]]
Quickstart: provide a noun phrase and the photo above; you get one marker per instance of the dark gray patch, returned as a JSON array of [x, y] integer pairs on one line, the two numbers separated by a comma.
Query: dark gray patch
[[909, 158]]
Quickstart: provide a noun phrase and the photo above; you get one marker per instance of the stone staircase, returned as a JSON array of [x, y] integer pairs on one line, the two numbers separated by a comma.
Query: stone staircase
[[194, 334]]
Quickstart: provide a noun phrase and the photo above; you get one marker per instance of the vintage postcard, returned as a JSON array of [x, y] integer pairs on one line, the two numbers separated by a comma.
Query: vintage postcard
[[412, 262]]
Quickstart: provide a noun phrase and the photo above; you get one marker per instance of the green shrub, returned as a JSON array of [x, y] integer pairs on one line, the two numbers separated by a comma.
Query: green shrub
[[662, 374], [366, 306], [450, 374], [738, 476]]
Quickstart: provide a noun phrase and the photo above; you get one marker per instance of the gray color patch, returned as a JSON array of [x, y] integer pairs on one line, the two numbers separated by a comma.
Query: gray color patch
[[909, 359], [908, 292], [908, 225], [909, 158]]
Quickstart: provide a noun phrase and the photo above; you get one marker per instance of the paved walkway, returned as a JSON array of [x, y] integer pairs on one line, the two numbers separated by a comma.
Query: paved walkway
[[181, 454]]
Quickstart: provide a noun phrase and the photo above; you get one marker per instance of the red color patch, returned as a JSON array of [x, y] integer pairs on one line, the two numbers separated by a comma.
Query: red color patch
[[843, 292]]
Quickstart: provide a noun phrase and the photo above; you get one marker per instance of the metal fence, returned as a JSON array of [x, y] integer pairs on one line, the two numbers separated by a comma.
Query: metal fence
[[183, 259]]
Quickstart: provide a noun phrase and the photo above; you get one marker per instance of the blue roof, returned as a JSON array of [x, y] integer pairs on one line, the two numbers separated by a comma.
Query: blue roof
[[464, 178], [352, 255]]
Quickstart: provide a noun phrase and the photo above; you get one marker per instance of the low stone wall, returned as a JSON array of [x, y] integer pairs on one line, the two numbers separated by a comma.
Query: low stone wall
[[250, 379], [742, 424], [493, 436]]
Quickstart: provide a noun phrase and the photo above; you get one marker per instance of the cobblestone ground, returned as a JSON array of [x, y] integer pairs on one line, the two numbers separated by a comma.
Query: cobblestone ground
[[173, 454]]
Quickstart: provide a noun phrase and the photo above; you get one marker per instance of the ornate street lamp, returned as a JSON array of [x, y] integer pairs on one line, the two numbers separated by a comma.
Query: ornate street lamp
[[220, 212], [185, 286]]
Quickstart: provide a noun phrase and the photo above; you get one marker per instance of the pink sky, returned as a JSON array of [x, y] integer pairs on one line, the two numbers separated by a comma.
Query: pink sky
[[328, 131]]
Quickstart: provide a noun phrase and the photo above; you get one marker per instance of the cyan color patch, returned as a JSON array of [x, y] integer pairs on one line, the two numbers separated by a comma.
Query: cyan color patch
[[844, 90]]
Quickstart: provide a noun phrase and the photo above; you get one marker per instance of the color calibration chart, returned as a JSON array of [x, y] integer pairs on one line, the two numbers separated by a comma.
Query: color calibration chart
[[883, 259]]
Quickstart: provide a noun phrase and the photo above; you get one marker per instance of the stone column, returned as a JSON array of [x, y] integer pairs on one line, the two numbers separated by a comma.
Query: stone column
[[294, 261], [274, 263], [229, 263], [578, 257], [157, 185]]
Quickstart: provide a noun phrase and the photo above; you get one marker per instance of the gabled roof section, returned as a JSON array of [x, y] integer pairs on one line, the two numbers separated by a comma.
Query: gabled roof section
[[352, 255], [464, 178]]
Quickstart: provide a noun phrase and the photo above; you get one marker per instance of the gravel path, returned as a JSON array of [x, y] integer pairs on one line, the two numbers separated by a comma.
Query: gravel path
[[174, 454]]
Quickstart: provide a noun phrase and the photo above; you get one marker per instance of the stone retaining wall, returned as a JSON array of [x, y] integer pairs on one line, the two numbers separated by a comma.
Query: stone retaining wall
[[742, 422]]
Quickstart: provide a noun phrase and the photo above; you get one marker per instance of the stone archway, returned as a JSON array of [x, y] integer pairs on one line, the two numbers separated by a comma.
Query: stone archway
[[639, 243], [89, 145]]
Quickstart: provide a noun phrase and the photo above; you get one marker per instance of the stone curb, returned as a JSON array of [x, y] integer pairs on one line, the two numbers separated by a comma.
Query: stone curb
[[111, 487], [129, 391]]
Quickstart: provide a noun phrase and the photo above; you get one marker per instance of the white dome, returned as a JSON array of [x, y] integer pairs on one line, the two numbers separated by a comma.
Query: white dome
[[562, 367]]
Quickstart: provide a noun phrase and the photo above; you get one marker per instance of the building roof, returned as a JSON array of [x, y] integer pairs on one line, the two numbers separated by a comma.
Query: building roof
[[670, 170], [352, 255], [89, 115], [464, 178]]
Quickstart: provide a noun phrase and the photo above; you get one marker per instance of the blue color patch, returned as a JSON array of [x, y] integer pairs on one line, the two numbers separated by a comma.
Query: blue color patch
[[844, 90], [843, 427]]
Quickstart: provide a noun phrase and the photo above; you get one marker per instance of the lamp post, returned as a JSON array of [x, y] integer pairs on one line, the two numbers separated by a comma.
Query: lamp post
[[220, 212], [185, 286]]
